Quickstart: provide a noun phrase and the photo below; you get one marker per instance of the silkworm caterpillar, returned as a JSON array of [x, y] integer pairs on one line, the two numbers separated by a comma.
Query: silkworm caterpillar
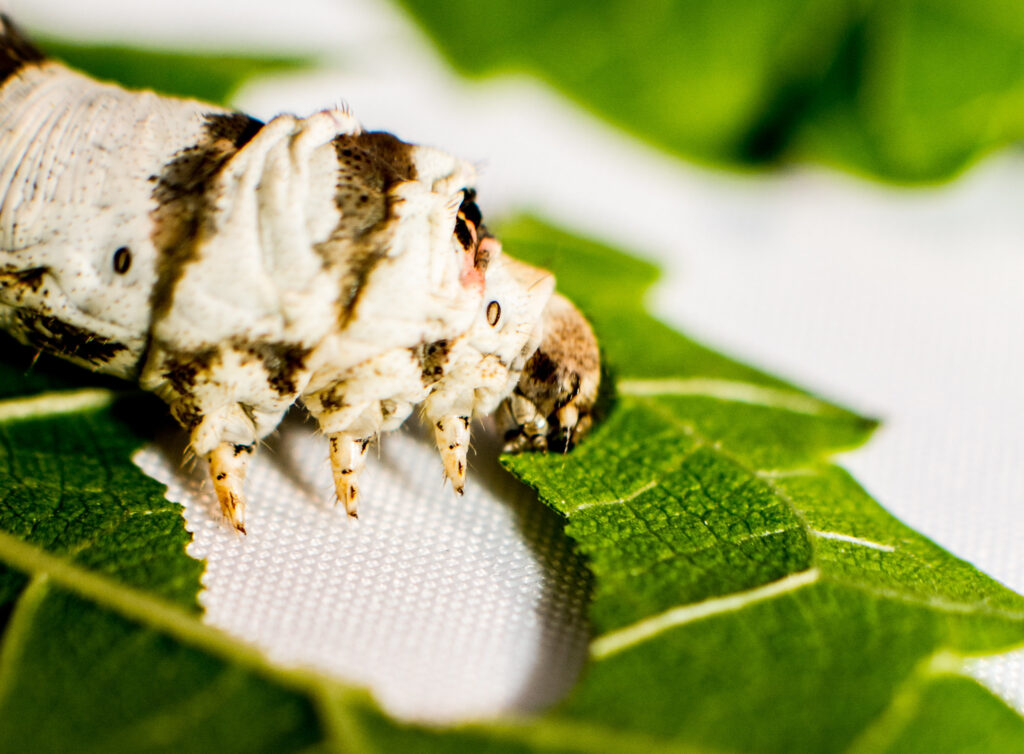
[[234, 267]]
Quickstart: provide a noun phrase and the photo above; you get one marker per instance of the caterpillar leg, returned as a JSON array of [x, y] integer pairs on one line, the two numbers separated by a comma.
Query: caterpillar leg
[[348, 457], [228, 464], [452, 437]]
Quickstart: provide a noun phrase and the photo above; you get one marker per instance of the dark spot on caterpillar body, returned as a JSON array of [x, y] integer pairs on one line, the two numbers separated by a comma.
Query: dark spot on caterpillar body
[[71, 342], [122, 260], [493, 313], [16, 51]]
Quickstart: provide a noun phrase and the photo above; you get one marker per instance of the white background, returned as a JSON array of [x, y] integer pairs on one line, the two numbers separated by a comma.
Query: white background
[[903, 305]]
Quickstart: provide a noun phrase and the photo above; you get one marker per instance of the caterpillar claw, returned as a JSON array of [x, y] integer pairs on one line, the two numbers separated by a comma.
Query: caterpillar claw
[[452, 437], [228, 464], [348, 458]]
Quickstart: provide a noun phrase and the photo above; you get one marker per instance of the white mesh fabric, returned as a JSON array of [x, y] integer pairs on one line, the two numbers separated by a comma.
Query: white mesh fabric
[[445, 606]]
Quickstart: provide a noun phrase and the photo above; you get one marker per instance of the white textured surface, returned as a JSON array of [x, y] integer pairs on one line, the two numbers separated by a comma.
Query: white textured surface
[[905, 305], [445, 606]]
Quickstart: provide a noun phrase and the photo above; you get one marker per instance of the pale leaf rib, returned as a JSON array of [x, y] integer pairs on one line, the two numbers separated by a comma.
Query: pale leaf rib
[[647, 628], [625, 499], [852, 540], [54, 404], [727, 390]]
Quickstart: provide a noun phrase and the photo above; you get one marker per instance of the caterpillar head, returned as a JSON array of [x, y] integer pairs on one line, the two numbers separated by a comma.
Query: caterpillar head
[[551, 405]]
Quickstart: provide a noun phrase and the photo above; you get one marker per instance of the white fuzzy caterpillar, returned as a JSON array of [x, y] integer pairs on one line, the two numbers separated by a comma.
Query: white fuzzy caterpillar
[[235, 267]]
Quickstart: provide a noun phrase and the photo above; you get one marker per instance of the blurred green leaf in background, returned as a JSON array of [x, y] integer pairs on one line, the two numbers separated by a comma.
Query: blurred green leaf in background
[[210, 77], [904, 90]]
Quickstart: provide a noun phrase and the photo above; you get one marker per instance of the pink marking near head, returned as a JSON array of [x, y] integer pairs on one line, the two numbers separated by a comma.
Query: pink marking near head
[[471, 276], [474, 263]]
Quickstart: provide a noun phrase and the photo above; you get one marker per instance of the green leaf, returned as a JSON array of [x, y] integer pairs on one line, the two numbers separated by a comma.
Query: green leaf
[[920, 90], [748, 595], [911, 90], [211, 78], [67, 483]]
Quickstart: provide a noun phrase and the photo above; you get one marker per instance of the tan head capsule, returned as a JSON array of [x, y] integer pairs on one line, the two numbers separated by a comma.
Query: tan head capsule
[[552, 404]]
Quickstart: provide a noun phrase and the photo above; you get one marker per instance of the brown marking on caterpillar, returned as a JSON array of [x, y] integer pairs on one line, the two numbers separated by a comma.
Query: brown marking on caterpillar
[[542, 367], [370, 164], [357, 270], [333, 398], [58, 337], [181, 195], [284, 363], [484, 250], [184, 368], [19, 282], [383, 158], [237, 128], [16, 51], [432, 358], [187, 414]]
